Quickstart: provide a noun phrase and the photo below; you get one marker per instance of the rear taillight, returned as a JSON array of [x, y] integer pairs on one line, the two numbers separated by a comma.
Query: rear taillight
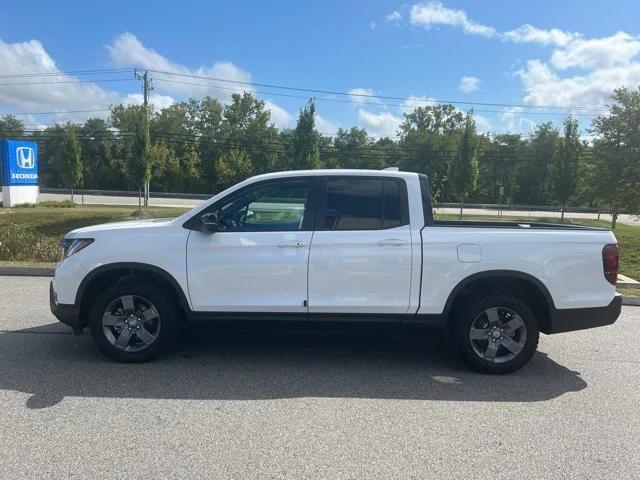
[[610, 262]]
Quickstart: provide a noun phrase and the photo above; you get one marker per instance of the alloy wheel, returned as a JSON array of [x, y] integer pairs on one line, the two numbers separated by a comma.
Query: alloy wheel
[[131, 323], [498, 334]]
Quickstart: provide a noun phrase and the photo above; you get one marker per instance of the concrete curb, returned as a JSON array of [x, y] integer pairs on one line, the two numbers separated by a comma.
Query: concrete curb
[[631, 301], [27, 271]]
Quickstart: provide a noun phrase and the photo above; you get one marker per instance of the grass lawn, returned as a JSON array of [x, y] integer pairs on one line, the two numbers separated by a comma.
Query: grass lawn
[[31, 234], [630, 292], [629, 242]]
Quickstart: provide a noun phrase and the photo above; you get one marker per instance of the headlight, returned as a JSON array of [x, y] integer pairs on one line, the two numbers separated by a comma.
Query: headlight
[[69, 246]]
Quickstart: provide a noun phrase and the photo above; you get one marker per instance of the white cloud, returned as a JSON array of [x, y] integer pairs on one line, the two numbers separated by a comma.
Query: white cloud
[[605, 52], [530, 34], [372, 25], [362, 95], [514, 122], [383, 124], [31, 57], [413, 101], [325, 126], [469, 84], [128, 51], [482, 123], [279, 116], [434, 13], [543, 86], [158, 102], [607, 62], [393, 17]]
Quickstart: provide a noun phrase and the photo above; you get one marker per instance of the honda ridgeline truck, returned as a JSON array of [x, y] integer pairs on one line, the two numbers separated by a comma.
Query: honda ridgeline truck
[[330, 248]]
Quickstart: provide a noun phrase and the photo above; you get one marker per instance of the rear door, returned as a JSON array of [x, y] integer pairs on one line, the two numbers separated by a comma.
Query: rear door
[[360, 258]]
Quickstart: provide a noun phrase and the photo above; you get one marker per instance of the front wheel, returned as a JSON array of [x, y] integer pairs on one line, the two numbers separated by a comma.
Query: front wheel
[[496, 335], [130, 322]]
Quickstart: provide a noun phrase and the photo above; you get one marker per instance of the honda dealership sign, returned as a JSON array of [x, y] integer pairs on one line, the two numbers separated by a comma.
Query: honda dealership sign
[[19, 172]]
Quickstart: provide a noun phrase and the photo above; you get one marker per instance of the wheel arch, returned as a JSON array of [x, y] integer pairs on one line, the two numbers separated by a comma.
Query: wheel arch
[[524, 285], [110, 273]]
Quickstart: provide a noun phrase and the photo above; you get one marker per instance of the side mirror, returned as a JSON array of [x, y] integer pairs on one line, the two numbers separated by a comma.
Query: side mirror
[[209, 222]]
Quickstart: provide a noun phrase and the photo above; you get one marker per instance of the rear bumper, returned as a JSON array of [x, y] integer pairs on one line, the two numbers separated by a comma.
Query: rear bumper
[[567, 320], [67, 314]]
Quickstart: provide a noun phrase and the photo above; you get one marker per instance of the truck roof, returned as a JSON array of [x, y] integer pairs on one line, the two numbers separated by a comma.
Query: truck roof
[[334, 171]]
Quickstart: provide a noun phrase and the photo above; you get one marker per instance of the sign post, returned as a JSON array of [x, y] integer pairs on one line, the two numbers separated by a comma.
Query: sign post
[[19, 172]]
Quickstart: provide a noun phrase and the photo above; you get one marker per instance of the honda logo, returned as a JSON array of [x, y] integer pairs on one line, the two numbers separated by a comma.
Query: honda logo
[[25, 157]]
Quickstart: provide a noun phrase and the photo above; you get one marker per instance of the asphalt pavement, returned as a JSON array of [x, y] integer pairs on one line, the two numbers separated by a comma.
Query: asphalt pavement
[[329, 406]]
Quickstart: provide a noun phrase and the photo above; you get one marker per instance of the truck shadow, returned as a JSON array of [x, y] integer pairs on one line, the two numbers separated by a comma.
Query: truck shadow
[[49, 364]]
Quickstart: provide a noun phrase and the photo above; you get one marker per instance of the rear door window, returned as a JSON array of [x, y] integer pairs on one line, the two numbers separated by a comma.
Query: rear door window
[[362, 204]]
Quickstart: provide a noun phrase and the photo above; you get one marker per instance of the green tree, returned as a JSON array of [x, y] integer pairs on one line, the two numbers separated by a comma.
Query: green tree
[[99, 151], [49, 154], [564, 168], [10, 126], [190, 168], [247, 125], [616, 153], [233, 167], [437, 119], [355, 149], [70, 161], [305, 148], [463, 167], [498, 165], [207, 114], [533, 174], [166, 168], [139, 158], [428, 139]]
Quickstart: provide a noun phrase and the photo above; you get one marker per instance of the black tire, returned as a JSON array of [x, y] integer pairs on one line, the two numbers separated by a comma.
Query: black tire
[[475, 314], [144, 294]]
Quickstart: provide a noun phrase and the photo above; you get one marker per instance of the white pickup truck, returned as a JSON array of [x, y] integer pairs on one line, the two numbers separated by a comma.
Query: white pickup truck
[[332, 248]]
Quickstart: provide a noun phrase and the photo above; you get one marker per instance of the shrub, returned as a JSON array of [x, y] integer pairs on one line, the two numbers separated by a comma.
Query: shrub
[[20, 244], [57, 204]]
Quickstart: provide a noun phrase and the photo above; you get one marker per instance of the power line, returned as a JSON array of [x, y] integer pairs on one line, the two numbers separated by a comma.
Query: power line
[[61, 73], [96, 80], [358, 149], [357, 152], [364, 102], [55, 112], [364, 95]]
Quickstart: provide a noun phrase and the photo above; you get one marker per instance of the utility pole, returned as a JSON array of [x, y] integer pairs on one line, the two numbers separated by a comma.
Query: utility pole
[[146, 88]]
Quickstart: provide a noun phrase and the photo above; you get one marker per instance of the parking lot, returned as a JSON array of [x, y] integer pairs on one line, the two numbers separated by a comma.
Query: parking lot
[[289, 405]]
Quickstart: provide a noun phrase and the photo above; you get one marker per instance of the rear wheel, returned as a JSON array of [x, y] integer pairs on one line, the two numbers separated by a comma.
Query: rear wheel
[[130, 322], [496, 334]]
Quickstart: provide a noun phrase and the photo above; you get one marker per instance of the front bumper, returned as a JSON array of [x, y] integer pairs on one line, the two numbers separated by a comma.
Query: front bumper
[[67, 314], [567, 320]]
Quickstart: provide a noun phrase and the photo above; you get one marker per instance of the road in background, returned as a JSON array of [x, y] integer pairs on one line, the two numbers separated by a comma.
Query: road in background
[[114, 200], [311, 405], [190, 203]]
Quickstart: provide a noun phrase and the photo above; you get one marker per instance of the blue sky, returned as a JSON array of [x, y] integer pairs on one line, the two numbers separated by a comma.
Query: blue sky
[[569, 53]]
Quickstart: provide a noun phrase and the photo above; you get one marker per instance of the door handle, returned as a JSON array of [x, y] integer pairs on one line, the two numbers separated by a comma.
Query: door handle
[[291, 244], [392, 242]]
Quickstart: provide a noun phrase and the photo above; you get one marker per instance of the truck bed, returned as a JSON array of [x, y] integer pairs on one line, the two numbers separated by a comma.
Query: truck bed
[[512, 224]]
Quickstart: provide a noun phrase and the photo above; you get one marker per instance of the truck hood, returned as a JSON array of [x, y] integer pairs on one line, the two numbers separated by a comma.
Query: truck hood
[[126, 225]]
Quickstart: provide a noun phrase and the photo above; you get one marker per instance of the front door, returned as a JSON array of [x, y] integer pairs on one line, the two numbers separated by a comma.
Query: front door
[[257, 260]]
